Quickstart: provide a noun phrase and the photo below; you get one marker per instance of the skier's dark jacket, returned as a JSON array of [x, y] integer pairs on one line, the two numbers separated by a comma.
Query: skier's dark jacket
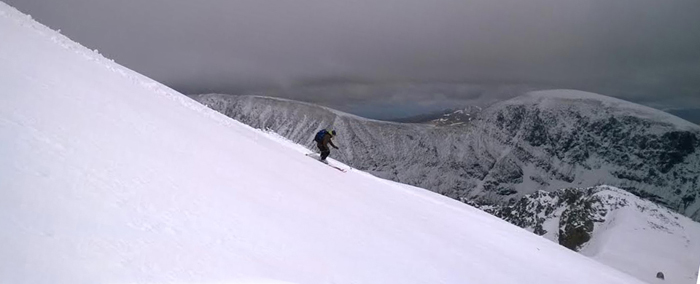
[[326, 140]]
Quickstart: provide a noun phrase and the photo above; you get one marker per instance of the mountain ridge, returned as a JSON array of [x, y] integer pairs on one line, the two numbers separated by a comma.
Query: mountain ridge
[[546, 96], [511, 150]]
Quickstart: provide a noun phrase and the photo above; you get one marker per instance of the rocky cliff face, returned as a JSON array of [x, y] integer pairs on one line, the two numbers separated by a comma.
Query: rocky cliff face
[[540, 141], [583, 139], [566, 216]]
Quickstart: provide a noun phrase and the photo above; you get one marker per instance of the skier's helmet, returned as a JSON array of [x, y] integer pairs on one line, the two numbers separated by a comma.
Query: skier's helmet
[[333, 132]]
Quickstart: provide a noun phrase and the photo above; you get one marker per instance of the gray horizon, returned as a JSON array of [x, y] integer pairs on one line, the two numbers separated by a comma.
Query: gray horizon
[[367, 56]]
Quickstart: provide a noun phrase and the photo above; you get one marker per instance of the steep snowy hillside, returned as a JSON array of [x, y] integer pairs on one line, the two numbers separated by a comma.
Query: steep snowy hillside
[[110, 177], [615, 228], [540, 141]]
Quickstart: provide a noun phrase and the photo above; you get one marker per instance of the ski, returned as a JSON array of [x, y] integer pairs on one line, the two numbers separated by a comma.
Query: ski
[[317, 158], [337, 168]]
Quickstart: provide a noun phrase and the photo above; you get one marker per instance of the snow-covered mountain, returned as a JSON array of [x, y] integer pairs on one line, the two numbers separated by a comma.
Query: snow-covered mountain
[[457, 117], [110, 177], [614, 227], [450, 117], [544, 140], [567, 138]]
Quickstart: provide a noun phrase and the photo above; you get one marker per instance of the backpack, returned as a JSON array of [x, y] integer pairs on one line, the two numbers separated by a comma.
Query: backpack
[[319, 136]]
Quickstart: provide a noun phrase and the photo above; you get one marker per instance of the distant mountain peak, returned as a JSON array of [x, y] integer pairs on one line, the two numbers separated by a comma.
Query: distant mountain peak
[[458, 117], [447, 117], [593, 104]]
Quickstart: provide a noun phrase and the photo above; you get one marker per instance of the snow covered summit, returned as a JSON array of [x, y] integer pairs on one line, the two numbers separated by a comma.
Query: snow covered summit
[[110, 177], [595, 106], [566, 138]]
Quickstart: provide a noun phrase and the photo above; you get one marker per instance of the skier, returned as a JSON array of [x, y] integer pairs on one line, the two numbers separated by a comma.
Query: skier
[[322, 139]]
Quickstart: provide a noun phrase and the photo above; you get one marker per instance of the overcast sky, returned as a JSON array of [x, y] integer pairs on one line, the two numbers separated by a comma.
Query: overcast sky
[[368, 56]]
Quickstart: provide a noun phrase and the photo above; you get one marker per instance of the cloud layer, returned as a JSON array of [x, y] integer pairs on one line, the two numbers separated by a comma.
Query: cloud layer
[[646, 51]]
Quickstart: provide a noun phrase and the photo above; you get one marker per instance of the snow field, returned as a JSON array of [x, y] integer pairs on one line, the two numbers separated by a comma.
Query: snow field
[[113, 178]]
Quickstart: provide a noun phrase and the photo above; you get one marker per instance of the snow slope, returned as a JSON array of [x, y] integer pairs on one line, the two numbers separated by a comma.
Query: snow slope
[[110, 177], [640, 235], [614, 227]]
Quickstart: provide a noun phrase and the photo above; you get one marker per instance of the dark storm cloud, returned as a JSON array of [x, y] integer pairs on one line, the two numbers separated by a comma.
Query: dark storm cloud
[[641, 50], [394, 100]]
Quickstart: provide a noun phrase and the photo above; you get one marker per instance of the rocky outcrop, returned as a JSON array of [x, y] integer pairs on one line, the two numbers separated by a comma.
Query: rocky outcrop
[[613, 226]]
